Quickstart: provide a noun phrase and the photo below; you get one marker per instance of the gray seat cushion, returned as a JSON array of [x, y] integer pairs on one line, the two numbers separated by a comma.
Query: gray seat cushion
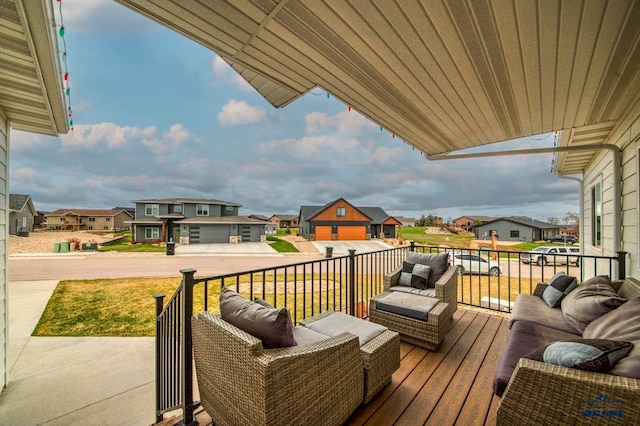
[[428, 292], [305, 336], [338, 323], [408, 305], [589, 301], [534, 309], [524, 338]]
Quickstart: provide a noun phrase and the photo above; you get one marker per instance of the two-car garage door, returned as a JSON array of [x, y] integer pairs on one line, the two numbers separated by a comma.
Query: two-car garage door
[[323, 233]]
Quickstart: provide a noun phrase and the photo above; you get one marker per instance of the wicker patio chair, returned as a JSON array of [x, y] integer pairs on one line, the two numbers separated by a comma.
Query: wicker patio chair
[[242, 383], [446, 286]]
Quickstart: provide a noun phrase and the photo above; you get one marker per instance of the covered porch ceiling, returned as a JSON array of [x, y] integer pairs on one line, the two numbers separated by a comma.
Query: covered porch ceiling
[[31, 91], [441, 75]]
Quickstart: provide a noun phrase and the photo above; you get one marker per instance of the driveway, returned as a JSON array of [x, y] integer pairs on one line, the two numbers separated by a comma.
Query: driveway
[[228, 249], [342, 247]]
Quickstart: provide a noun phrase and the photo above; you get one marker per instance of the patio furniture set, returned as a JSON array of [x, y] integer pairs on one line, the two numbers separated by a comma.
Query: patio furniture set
[[255, 367]]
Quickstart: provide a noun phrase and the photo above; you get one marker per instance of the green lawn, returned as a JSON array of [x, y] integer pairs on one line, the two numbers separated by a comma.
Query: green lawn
[[124, 245], [281, 246]]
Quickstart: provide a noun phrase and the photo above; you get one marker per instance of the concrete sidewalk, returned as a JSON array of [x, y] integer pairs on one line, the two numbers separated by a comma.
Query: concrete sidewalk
[[72, 380]]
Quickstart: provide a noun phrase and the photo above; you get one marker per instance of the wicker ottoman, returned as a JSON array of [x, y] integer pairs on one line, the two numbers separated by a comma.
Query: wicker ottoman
[[380, 354], [426, 334]]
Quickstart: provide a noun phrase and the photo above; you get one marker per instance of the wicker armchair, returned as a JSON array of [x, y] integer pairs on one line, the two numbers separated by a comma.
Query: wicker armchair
[[242, 383], [446, 286]]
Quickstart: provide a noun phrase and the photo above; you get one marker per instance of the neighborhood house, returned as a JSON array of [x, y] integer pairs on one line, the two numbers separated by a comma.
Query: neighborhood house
[[517, 229], [88, 219], [339, 220], [22, 214], [194, 221]]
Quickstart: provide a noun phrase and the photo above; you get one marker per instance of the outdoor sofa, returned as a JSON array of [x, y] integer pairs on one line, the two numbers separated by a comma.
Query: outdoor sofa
[[556, 335], [418, 303]]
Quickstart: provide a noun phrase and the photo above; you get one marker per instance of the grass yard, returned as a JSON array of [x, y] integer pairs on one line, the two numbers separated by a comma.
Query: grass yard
[[126, 307], [281, 246], [124, 245]]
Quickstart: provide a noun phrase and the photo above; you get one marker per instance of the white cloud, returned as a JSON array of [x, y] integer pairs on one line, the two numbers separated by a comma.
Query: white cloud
[[239, 112], [348, 123], [225, 75], [23, 174], [176, 137], [90, 135]]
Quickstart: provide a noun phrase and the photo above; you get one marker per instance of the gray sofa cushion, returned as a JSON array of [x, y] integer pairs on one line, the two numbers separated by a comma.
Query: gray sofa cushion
[[558, 287], [272, 326], [428, 292], [524, 338], [589, 301], [534, 309], [408, 305], [338, 323], [597, 355], [623, 324], [438, 262], [305, 336]]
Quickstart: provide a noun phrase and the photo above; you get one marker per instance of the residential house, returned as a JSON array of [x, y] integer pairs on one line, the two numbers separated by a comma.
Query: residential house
[[40, 221], [112, 220], [269, 228], [32, 100], [22, 214], [516, 228], [469, 222], [285, 221], [193, 221], [340, 220], [408, 222]]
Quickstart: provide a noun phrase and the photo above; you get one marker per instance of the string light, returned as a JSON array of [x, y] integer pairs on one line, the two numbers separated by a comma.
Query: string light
[[67, 89]]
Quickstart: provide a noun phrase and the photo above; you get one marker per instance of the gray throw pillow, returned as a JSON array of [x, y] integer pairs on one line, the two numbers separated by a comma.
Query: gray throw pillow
[[557, 288], [263, 302], [414, 275], [589, 301], [621, 324], [596, 355], [439, 262], [272, 326]]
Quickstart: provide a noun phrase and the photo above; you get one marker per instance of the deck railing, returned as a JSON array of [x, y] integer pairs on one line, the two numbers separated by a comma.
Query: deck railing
[[338, 283]]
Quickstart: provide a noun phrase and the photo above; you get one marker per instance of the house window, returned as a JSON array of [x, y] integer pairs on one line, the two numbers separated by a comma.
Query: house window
[[229, 208], [152, 233], [341, 212], [24, 222], [108, 219], [152, 209], [596, 215], [92, 219], [515, 234], [202, 210], [177, 208]]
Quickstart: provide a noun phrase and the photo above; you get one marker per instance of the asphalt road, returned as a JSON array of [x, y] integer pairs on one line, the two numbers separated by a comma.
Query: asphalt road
[[138, 265]]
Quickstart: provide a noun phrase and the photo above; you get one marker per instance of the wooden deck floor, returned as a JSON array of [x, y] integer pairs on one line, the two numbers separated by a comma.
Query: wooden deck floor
[[452, 386]]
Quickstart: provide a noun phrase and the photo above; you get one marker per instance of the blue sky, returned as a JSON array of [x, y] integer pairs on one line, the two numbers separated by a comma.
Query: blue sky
[[157, 115]]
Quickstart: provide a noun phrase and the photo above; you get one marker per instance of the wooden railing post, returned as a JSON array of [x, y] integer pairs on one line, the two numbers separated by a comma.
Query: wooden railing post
[[352, 282], [187, 347], [159, 337]]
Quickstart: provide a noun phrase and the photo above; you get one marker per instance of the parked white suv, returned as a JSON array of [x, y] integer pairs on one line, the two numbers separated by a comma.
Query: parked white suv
[[544, 255]]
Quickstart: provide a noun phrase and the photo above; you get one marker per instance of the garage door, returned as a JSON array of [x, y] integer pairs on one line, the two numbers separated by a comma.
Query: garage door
[[352, 232], [323, 233]]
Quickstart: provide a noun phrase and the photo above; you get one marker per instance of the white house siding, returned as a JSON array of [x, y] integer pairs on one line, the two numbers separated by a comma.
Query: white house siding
[[4, 252], [625, 136]]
